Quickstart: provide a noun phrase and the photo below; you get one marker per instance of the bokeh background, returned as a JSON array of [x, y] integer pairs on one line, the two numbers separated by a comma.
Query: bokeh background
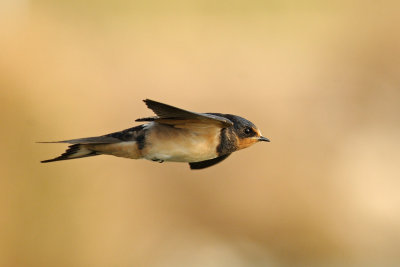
[[319, 78]]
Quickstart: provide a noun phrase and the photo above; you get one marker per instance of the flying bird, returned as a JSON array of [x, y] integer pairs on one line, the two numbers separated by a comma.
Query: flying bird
[[176, 135]]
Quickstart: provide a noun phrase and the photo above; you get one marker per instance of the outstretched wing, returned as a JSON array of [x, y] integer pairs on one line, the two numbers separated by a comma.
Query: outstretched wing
[[207, 163], [172, 115], [130, 134]]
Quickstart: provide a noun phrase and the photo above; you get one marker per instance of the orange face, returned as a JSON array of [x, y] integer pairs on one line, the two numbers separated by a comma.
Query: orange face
[[248, 141]]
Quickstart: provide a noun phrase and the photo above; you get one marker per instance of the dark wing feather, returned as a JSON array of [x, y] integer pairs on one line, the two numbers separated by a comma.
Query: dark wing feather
[[89, 140], [167, 112], [130, 134], [207, 163], [148, 118]]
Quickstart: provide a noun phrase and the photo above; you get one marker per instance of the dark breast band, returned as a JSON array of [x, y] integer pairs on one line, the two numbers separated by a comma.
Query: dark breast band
[[228, 142]]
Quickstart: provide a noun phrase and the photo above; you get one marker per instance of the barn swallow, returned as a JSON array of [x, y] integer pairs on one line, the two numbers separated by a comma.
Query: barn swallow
[[201, 139]]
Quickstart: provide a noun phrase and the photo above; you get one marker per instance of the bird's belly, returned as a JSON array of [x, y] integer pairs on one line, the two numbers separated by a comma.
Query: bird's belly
[[196, 151], [182, 146]]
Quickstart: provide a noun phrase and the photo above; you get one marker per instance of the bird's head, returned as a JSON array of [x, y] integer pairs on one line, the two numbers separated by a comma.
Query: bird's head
[[246, 132]]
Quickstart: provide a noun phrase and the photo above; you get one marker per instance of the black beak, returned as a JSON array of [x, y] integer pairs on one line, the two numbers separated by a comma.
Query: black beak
[[262, 138]]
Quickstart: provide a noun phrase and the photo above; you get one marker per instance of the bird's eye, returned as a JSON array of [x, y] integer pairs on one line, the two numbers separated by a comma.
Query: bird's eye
[[248, 130]]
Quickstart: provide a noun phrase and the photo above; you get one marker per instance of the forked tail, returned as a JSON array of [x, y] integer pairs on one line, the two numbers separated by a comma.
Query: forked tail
[[74, 151]]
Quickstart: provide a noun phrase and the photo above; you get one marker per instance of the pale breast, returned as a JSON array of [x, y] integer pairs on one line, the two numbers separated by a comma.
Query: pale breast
[[188, 143]]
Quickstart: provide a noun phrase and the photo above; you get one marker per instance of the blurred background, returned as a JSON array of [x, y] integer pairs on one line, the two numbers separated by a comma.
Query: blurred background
[[320, 79]]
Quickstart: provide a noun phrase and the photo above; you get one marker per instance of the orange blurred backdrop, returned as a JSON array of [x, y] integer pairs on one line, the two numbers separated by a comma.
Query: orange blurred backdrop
[[320, 79]]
